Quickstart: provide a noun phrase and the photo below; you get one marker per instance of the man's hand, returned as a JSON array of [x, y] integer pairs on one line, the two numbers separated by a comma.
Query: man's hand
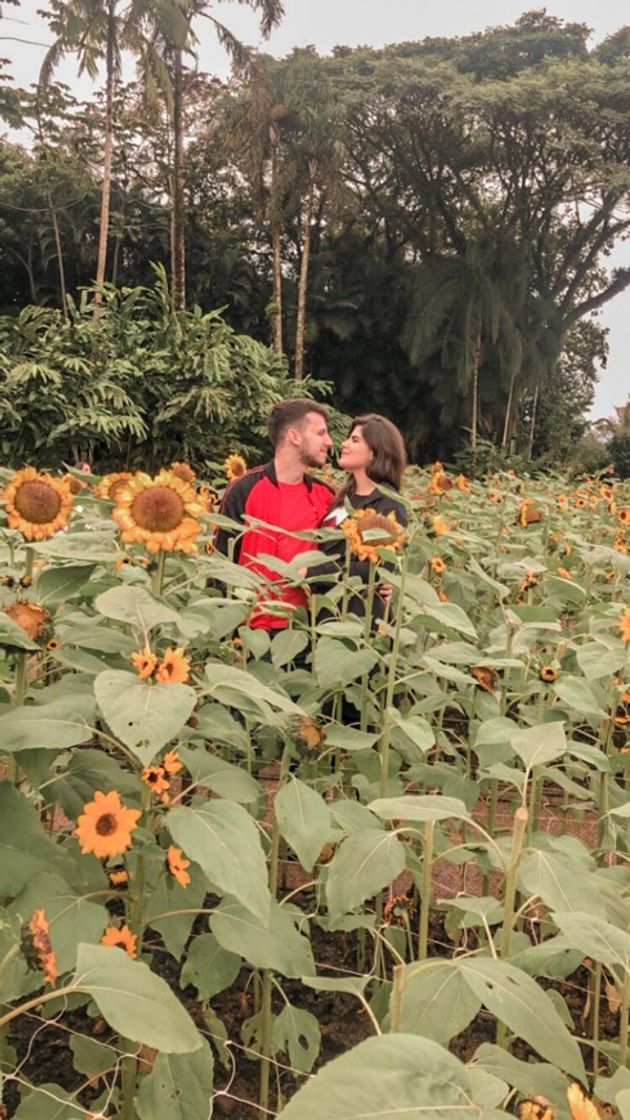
[[386, 591]]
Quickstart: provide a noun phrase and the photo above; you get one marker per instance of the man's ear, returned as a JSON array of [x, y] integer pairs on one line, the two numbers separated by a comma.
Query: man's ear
[[293, 436]]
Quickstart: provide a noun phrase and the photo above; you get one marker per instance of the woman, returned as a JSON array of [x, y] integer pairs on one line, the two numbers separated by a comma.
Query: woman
[[374, 455]]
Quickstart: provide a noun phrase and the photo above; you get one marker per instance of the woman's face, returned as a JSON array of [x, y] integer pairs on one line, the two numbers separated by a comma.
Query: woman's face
[[355, 454]]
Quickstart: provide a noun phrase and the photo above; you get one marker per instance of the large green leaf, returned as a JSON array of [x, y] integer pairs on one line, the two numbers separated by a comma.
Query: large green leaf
[[144, 716], [576, 694], [49, 1102], [223, 839], [296, 1032], [539, 745], [234, 687], [304, 820], [444, 617], [178, 1087], [135, 606], [528, 1078], [209, 967], [57, 585], [43, 726], [522, 1005], [25, 849], [171, 908], [363, 864], [595, 937], [437, 1001], [387, 1078], [277, 945], [72, 919], [336, 664], [419, 807], [222, 777], [561, 884], [134, 1001], [88, 771]]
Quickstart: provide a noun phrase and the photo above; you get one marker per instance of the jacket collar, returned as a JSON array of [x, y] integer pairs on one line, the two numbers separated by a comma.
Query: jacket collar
[[269, 471]]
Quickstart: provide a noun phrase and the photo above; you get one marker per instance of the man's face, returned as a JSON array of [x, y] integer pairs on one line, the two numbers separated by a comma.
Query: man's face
[[313, 440]]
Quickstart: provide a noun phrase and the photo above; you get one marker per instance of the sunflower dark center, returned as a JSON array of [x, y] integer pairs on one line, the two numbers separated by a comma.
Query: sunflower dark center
[[37, 502], [106, 824], [159, 510]]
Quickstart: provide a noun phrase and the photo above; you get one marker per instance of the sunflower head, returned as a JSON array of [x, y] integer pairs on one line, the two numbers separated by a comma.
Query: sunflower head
[[172, 762], [398, 910], [160, 513], [183, 471], [486, 678], [438, 565], [121, 938], [307, 733], [110, 484], [105, 825], [462, 483], [118, 877], [32, 618], [495, 496], [235, 467], [174, 668], [40, 949], [527, 515], [624, 625], [368, 531], [38, 505], [144, 662], [548, 674], [178, 865], [439, 526], [155, 778]]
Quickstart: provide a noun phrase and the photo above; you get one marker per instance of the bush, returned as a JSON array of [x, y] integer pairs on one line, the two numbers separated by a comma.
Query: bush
[[618, 451]]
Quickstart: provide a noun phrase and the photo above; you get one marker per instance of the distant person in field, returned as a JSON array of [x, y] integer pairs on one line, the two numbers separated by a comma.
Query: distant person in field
[[281, 493]]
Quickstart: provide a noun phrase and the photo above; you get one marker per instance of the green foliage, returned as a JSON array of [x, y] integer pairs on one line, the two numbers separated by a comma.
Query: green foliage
[[618, 450]]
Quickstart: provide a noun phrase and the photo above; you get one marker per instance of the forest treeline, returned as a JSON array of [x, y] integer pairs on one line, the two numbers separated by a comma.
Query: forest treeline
[[427, 227]]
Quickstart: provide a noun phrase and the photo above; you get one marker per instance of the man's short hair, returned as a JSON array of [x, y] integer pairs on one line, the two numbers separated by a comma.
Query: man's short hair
[[290, 413]]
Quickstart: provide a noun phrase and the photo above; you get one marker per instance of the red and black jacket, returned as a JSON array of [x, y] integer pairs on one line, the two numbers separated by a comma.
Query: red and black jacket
[[293, 509]]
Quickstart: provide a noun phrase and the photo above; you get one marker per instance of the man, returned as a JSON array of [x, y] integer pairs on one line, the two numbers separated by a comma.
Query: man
[[281, 494]]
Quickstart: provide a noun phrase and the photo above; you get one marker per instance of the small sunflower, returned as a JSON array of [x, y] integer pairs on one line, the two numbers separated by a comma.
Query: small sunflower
[[39, 930], [440, 483], [110, 485], [530, 580], [121, 938], [564, 573], [624, 516], [624, 625], [580, 502], [53, 645], [495, 496], [486, 678], [38, 505], [155, 778], [159, 513], [398, 910], [326, 853], [563, 502], [439, 525], [527, 515], [183, 471], [178, 865], [368, 531], [438, 565], [172, 763], [32, 618], [118, 876], [235, 467], [308, 734], [462, 484], [174, 668], [144, 662], [105, 826], [548, 674]]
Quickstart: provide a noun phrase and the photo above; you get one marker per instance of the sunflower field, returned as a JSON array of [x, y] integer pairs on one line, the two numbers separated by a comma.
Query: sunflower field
[[339, 872]]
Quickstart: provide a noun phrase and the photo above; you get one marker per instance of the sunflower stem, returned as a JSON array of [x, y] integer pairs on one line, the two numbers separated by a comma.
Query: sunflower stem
[[366, 637], [624, 1020], [425, 900], [384, 743], [158, 575]]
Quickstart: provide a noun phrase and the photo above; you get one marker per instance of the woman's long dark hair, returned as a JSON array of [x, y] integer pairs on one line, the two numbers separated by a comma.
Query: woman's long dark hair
[[388, 448]]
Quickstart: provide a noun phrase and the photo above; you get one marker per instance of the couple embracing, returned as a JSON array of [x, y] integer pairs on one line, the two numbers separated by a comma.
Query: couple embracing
[[289, 500]]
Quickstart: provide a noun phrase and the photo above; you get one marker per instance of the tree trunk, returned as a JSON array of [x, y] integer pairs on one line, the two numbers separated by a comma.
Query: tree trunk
[[178, 236], [532, 426], [475, 395], [276, 314], [508, 412], [59, 252], [300, 325], [103, 232]]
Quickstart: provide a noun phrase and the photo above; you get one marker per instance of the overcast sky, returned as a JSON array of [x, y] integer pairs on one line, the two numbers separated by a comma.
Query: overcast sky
[[325, 23]]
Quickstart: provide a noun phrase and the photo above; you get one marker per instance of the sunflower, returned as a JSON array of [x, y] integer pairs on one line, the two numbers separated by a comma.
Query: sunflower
[[121, 938], [38, 505], [563, 502], [171, 762], [495, 496], [177, 865], [32, 618], [183, 471], [526, 514], [40, 933], [440, 483], [529, 581], [580, 503], [548, 674], [308, 733], [174, 668], [144, 662], [110, 485], [563, 572], [624, 625], [486, 678], [624, 516], [442, 596], [398, 909], [439, 525], [462, 484], [74, 484], [437, 467], [105, 826], [326, 853], [384, 532], [235, 467], [438, 565], [155, 778], [159, 512], [53, 645], [118, 876]]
